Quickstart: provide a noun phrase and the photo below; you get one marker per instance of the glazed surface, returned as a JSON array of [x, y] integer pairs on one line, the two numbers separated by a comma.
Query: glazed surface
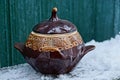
[[54, 42], [52, 62], [54, 27]]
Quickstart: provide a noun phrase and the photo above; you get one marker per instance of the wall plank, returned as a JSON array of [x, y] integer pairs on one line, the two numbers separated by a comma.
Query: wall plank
[[5, 59], [85, 18], [117, 17], [104, 28]]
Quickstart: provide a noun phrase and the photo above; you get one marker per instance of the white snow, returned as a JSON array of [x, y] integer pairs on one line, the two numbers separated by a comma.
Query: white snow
[[103, 63]]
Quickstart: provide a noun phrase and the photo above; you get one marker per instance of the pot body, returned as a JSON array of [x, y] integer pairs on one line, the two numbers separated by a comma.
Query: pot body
[[53, 54], [50, 63]]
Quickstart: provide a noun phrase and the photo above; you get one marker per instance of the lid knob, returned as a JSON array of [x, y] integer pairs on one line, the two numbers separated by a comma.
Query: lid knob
[[54, 15]]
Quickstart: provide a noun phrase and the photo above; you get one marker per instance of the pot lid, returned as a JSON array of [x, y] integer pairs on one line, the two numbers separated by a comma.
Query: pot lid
[[54, 25]]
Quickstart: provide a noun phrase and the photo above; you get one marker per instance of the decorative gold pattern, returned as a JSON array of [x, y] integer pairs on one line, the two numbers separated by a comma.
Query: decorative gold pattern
[[53, 42]]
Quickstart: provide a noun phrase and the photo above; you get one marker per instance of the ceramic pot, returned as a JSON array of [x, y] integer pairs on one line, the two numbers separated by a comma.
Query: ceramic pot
[[54, 46]]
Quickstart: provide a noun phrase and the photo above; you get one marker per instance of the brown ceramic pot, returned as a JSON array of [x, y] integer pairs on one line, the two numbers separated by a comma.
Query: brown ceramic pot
[[54, 46]]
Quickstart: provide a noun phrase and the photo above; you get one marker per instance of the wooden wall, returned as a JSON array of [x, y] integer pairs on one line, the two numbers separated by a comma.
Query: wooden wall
[[95, 19]]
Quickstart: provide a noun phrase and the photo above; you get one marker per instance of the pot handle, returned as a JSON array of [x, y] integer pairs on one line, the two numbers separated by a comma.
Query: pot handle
[[88, 48], [19, 46], [54, 52]]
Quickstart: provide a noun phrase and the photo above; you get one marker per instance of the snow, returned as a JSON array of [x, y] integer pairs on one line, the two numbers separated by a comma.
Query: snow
[[103, 63]]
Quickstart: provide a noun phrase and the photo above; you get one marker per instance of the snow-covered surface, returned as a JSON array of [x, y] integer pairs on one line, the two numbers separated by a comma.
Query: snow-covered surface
[[103, 63]]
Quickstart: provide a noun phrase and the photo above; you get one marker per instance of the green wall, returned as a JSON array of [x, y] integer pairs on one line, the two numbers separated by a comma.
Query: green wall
[[95, 19]]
